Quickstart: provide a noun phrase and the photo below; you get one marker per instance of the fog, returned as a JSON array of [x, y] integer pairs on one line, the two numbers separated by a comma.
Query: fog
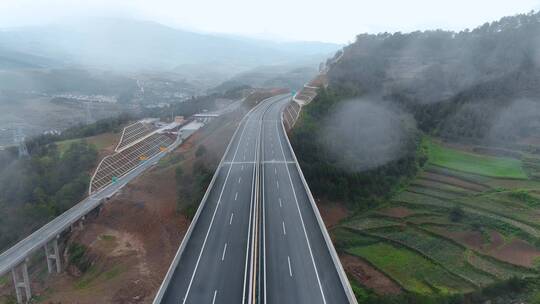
[[336, 21], [364, 133], [520, 120]]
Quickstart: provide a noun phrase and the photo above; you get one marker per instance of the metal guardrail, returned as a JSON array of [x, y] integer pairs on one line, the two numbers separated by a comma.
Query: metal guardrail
[[324, 231]]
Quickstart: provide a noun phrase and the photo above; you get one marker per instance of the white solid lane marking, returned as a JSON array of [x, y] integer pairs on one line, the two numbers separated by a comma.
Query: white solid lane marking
[[284, 232], [301, 219], [236, 196], [214, 299], [230, 221], [224, 250], [290, 269], [212, 220], [279, 202]]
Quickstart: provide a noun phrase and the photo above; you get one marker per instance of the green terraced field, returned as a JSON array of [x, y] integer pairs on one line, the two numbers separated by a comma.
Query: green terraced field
[[435, 192], [440, 250], [501, 272], [521, 213], [494, 193], [414, 272], [370, 223], [441, 186], [345, 238], [500, 167], [420, 199]]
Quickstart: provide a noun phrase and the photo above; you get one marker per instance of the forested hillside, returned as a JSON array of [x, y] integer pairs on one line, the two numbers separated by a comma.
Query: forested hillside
[[477, 86], [432, 141], [36, 189], [457, 85]]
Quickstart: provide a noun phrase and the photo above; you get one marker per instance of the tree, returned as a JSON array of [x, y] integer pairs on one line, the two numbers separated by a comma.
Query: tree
[[200, 151], [456, 214]]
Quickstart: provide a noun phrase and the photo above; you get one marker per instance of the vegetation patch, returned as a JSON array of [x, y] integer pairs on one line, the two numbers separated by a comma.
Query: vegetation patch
[[345, 238], [414, 272], [371, 223], [3, 280], [78, 256], [439, 250], [88, 277], [500, 167], [34, 190]]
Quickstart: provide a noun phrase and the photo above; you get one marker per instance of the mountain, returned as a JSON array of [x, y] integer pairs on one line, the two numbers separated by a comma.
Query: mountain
[[140, 45], [459, 85], [361, 136], [276, 76], [17, 60]]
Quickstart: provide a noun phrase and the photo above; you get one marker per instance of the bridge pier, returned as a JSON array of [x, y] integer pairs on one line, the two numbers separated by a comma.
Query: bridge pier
[[81, 222], [53, 254], [21, 282]]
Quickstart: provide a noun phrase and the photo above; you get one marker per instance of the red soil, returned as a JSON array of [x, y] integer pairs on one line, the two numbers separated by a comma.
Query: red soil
[[137, 233], [368, 276], [332, 213], [517, 251]]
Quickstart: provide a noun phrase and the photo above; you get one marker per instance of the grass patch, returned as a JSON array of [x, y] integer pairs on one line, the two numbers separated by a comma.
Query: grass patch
[[9, 299], [346, 238], [100, 141], [414, 272], [94, 274], [499, 167], [444, 252], [114, 272], [362, 294], [107, 237], [371, 223], [91, 273], [524, 196], [3, 280], [77, 256], [190, 211]]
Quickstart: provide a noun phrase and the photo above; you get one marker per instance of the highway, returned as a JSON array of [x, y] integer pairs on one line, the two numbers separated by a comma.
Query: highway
[[18, 253], [256, 218], [215, 261], [296, 264]]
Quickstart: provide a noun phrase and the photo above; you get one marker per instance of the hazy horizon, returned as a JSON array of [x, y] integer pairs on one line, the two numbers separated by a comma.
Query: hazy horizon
[[281, 20]]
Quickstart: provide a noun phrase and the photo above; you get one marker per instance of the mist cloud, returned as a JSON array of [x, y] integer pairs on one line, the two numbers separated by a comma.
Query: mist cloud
[[521, 119], [366, 133], [341, 19]]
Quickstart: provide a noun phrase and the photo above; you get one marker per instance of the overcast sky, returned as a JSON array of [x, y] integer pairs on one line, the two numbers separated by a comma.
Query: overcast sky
[[332, 20]]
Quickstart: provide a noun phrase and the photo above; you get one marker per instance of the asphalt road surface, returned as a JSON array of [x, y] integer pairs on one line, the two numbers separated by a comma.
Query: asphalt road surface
[[216, 264], [296, 265]]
